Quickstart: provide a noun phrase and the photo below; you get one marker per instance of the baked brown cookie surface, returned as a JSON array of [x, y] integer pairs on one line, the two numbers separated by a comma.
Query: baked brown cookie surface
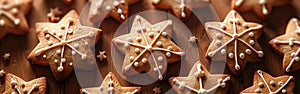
[[65, 44], [200, 81], [266, 84], [110, 85], [234, 41]]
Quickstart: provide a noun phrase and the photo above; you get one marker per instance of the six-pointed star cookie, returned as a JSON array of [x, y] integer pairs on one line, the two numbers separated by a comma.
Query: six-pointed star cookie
[[200, 81], [234, 41], [16, 85], [63, 44], [12, 17], [118, 9], [110, 85], [181, 8], [262, 8], [289, 46], [148, 48], [266, 84]]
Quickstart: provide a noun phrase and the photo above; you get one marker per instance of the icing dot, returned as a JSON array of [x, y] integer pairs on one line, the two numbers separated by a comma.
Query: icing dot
[[73, 52], [151, 34], [60, 68], [230, 55], [108, 7], [183, 14], [223, 26], [170, 48], [17, 21], [49, 42], [181, 5], [91, 34], [164, 34], [237, 67], [272, 83], [297, 58], [136, 64], [76, 45], [257, 90], [58, 51], [160, 58], [63, 60], [251, 34], [44, 56], [86, 43], [14, 10], [203, 91], [55, 60], [291, 41], [156, 1], [160, 67], [139, 39], [218, 42], [248, 51], [70, 19], [251, 42], [126, 45], [223, 85], [122, 1], [131, 58], [116, 3], [262, 1], [83, 57], [260, 53], [219, 35], [245, 25], [119, 10], [71, 64], [160, 77], [261, 84], [210, 54], [223, 51], [293, 54], [283, 91], [47, 36], [242, 55], [159, 43], [2, 22], [168, 54], [280, 83], [155, 69], [129, 39], [144, 60], [137, 50], [298, 31]]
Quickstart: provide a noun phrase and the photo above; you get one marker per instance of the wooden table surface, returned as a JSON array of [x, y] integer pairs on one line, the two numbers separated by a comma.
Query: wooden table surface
[[20, 46]]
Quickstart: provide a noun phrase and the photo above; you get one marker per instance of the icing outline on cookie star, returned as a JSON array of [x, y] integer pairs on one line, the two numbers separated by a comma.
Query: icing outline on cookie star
[[200, 74], [261, 2], [116, 4], [14, 85], [4, 8], [235, 38], [63, 42], [272, 83], [148, 47]]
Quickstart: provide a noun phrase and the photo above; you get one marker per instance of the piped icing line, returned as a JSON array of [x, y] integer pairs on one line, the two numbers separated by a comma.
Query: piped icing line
[[119, 10], [182, 5], [295, 58], [238, 2], [268, 87], [264, 7], [220, 30], [221, 82], [110, 88], [4, 11], [235, 36], [15, 86]]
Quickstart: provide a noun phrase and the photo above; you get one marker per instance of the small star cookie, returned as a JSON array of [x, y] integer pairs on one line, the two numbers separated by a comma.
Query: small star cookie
[[234, 41], [157, 90], [111, 85], [200, 81], [262, 8], [102, 55], [16, 85], [181, 8], [118, 9], [63, 44], [52, 15], [266, 84], [289, 46], [12, 17], [6, 56], [148, 48]]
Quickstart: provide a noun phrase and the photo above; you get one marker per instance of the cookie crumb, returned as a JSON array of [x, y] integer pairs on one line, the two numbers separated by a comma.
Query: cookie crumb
[[6, 56]]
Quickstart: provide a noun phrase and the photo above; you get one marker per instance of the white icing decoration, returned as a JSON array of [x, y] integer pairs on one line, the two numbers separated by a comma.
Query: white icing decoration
[[4, 11], [223, 51], [137, 50], [159, 43], [44, 56], [251, 34], [235, 38], [144, 60], [260, 73], [219, 35], [15, 86], [238, 2], [201, 90], [272, 82], [242, 55], [160, 58], [264, 6], [248, 51], [182, 6], [261, 84], [136, 64], [257, 90]]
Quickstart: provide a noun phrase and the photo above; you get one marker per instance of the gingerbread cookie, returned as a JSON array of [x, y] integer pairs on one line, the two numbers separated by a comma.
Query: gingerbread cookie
[[181, 8], [16, 85], [266, 84], [234, 41], [289, 46], [148, 48], [52, 15], [63, 44], [118, 9], [12, 17], [262, 8], [200, 81], [110, 85]]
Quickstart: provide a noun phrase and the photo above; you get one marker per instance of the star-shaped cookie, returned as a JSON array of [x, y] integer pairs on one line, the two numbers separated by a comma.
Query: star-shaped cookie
[[64, 44], [148, 48], [12, 17], [181, 8], [266, 84], [52, 15], [16, 85], [289, 46], [262, 8], [101, 55], [234, 41], [200, 81], [110, 85], [118, 9]]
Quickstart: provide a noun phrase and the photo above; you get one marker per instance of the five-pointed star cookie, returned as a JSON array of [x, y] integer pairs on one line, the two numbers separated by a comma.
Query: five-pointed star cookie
[[63, 44], [110, 85], [181, 8], [156, 90], [266, 84], [118, 9], [16, 85], [12, 17], [262, 8], [234, 41], [289, 46], [102, 55], [148, 48], [200, 81], [52, 15]]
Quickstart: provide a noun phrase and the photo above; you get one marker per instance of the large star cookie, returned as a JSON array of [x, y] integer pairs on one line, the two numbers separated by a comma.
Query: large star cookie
[[118, 9], [266, 84], [262, 8], [181, 8], [16, 85], [148, 48], [63, 44], [110, 85], [12, 17], [234, 41], [289, 46], [200, 81]]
